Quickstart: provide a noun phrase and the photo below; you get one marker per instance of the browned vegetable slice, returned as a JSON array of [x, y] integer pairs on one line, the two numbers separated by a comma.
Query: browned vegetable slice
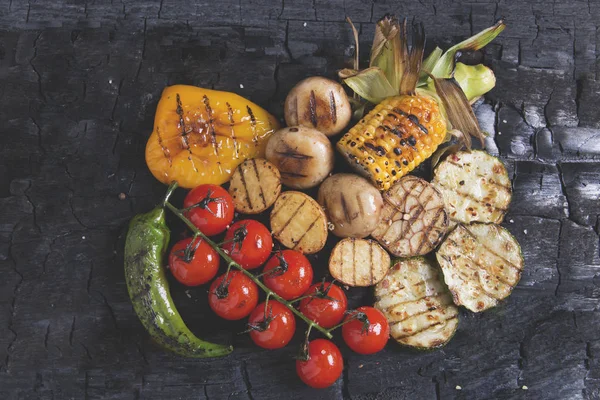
[[475, 186], [413, 219], [358, 262], [482, 263], [417, 304], [299, 222], [254, 186]]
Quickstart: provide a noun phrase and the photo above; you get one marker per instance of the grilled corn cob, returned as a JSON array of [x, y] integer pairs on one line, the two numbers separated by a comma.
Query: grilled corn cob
[[395, 137]]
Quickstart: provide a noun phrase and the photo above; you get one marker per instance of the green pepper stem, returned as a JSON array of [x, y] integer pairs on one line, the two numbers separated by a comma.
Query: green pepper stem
[[170, 191], [229, 260]]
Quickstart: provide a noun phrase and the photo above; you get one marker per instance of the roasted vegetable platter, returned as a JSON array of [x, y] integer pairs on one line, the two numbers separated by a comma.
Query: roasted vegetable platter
[[370, 181]]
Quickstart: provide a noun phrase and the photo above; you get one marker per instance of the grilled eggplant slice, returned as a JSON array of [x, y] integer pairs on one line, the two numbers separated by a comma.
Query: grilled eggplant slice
[[417, 304], [482, 263], [254, 186], [358, 262], [299, 222], [413, 220], [475, 186]]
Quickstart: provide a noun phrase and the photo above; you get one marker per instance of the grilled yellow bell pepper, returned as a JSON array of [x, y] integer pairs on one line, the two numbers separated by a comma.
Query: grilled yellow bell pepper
[[201, 135]]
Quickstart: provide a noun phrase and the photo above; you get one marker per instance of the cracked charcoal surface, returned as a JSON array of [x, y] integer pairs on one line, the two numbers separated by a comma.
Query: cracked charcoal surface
[[79, 84]]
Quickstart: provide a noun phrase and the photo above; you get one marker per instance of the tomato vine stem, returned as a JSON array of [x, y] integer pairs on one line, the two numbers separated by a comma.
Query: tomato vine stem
[[232, 263]]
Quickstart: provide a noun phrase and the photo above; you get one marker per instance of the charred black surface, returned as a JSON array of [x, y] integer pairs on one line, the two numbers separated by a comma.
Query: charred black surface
[[80, 81]]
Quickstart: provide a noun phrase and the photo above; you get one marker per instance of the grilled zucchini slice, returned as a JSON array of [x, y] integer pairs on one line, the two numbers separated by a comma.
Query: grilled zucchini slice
[[475, 186], [482, 263], [254, 186], [417, 304], [358, 262], [299, 222], [413, 218]]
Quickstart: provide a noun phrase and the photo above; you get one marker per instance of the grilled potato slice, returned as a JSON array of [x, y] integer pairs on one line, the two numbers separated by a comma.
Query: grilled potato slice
[[475, 186], [299, 222], [358, 262], [413, 220], [417, 304], [482, 263], [254, 186]]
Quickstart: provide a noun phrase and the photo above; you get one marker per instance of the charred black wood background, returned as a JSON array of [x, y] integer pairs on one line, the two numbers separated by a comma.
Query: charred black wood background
[[79, 83]]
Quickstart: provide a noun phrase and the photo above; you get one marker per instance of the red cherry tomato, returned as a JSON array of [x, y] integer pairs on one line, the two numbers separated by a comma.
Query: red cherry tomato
[[193, 262], [324, 366], [276, 329], [366, 338], [249, 243], [210, 208], [288, 273], [234, 298], [328, 305]]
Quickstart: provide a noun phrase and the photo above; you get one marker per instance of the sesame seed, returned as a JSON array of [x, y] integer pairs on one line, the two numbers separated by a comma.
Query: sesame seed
[[504, 121], [524, 387], [499, 133], [304, 24], [241, 86], [458, 387], [83, 237], [525, 231], [512, 221]]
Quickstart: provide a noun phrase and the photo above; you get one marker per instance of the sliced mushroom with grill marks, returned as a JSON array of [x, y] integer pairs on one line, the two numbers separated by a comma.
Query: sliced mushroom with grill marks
[[417, 304], [413, 219], [475, 186], [299, 223], [358, 262], [482, 263], [254, 186]]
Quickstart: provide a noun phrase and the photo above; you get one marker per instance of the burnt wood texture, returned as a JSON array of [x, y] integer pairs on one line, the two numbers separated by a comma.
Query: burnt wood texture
[[79, 83]]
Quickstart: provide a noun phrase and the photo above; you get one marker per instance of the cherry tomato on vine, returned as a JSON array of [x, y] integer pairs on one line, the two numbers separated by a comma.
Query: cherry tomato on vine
[[326, 306], [249, 243], [273, 327], [288, 273], [210, 208], [324, 366], [366, 337], [233, 298], [193, 262]]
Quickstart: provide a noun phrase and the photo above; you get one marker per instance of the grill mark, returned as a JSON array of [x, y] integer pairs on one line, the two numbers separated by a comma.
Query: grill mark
[[253, 125], [436, 296], [347, 215], [379, 150], [292, 174], [243, 179], [361, 209], [477, 269], [332, 107], [184, 132], [490, 250], [261, 193], [297, 242], [231, 125], [312, 104], [295, 155], [471, 197], [341, 264], [412, 118], [394, 130], [286, 199], [506, 187], [165, 149], [414, 315], [442, 322], [407, 224], [291, 218], [429, 228], [211, 130]]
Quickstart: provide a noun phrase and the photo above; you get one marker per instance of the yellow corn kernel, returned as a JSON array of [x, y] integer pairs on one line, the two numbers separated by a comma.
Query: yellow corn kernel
[[394, 138]]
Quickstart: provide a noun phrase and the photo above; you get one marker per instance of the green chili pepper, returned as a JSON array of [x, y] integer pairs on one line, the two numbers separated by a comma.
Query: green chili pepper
[[145, 247]]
